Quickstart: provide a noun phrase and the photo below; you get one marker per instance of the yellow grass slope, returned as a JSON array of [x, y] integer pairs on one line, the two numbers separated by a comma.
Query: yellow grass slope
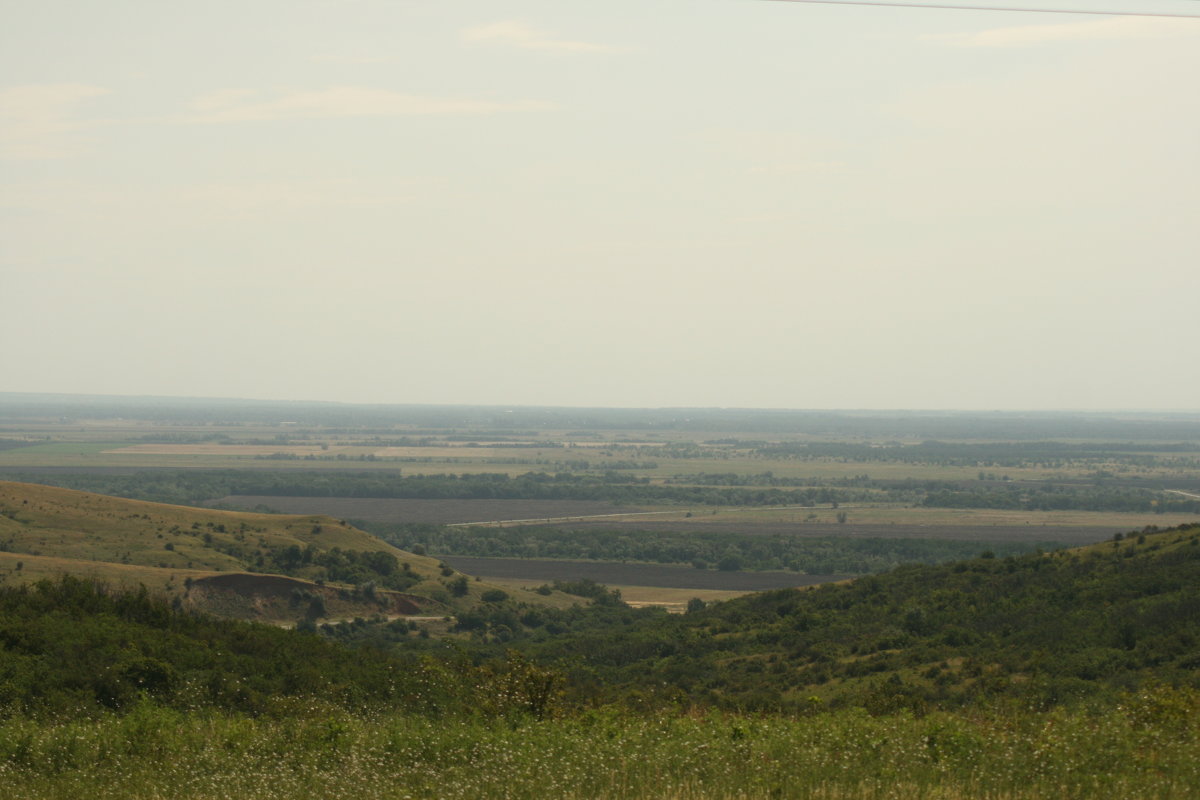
[[46, 531], [46, 520]]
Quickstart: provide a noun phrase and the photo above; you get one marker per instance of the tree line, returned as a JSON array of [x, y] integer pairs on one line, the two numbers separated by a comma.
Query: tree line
[[196, 486], [825, 555], [192, 487], [1062, 498]]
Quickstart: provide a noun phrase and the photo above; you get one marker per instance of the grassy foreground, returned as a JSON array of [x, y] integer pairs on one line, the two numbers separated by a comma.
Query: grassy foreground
[[1144, 748]]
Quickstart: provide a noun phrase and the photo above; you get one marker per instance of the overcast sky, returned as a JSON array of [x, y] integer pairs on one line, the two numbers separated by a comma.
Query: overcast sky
[[650, 203]]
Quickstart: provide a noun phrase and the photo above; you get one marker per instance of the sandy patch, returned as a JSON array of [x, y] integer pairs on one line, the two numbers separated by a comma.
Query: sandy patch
[[217, 450]]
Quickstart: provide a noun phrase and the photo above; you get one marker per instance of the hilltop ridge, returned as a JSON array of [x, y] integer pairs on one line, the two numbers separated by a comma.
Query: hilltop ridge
[[291, 567]]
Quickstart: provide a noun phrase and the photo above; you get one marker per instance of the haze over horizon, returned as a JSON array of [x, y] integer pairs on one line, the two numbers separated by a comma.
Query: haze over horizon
[[723, 203], [85, 398]]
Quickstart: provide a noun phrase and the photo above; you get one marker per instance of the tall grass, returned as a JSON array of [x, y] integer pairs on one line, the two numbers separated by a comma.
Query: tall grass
[[1146, 748]]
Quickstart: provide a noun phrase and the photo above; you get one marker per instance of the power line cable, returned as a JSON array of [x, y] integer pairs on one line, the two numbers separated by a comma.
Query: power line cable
[[990, 8]]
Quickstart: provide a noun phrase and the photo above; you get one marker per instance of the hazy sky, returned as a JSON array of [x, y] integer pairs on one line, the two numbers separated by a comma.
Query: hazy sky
[[650, 203]]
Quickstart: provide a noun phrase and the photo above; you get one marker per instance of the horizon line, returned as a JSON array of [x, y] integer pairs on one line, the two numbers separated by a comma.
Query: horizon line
[[764, 408]]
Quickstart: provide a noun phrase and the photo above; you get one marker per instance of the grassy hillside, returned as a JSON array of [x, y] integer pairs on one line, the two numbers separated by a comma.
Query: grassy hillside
[[334, 569], [120, 696], [72, 646], [1145, 750], [44, 520], [1044, 628], [109, 694]]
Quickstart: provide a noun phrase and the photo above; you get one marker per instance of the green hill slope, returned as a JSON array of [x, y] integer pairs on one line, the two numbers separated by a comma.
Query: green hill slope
[[1043, 628], [45, 520], [70, 647]]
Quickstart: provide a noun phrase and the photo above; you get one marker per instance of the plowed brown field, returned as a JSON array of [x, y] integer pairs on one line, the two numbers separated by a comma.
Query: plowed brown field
[[441, 512]]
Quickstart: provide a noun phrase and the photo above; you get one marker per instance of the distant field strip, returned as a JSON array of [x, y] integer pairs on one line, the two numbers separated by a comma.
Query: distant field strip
[[441, 512], [216, 450], [678, 512], [616, 572], [462, 513], [545, 520], [1054, 536], [599, 515]]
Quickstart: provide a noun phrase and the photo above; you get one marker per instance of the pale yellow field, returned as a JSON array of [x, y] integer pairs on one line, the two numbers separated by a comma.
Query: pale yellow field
[[674, 600], [220, 450], [824, 468], [457, 451]]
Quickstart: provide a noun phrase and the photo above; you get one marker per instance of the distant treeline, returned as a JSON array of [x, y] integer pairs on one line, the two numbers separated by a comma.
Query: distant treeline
[[702, 549], [193, 486], [508, 420], [1063, 498], [987, 454], [771, 479], [571, 464], [189, 487]]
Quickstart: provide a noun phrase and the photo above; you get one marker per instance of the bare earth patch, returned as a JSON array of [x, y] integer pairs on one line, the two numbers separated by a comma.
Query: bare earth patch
[[217, 450]]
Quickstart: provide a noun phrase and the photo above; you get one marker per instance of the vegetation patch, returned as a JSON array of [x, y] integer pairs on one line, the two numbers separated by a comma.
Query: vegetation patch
[[1144, 749], [610, 572]]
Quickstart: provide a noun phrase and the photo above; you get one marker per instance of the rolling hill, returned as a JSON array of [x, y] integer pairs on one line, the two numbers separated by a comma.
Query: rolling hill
[[1042, 629], [280, 568]]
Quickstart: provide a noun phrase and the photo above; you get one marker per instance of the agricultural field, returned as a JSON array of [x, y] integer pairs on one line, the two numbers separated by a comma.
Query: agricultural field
[[655, 463], [1065, 527], [1008, 483], [646, 583], [437, 512], [1054, 535], [673, 599], [615, 573], [863, 520], [654, 446]]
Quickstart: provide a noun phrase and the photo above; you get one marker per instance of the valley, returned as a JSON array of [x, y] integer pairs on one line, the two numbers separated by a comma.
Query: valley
[[385, 589]]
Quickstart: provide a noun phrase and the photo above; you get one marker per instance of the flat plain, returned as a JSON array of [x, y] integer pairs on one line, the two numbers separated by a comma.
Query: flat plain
[[438, 512], [619, 573], [1064, 527]]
